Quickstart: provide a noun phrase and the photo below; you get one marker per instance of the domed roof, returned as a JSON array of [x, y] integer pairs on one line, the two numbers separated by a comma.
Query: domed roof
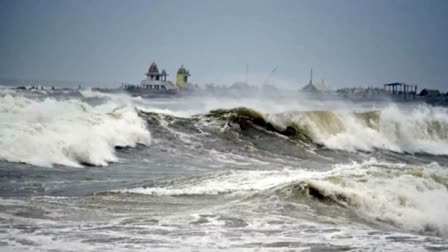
[[153, 69], [182, 70]]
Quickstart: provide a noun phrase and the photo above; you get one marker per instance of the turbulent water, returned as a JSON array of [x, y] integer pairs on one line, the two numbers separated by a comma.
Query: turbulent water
[[90, 171]]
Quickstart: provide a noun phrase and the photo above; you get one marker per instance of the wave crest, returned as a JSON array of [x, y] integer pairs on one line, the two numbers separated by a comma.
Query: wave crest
[[413, 198], [421, 129], [66, 132], [410, 197]]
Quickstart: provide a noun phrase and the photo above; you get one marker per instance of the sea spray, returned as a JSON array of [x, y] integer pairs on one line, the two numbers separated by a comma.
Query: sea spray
[[67, 132], [421, 129], [410, 197]]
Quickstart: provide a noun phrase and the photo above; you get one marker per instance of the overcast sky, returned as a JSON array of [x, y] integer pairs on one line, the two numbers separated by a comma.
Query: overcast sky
[[347, 42]]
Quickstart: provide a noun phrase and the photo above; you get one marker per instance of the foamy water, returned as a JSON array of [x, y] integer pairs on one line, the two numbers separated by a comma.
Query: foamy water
[[422, 129], [69, 132], [369, 179]]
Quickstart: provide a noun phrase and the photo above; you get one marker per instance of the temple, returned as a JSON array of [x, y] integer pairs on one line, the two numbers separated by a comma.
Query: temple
[[182, 77], [154, 75], [156, 83]]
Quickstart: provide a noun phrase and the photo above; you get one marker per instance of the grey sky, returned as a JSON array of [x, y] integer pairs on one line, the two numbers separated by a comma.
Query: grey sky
[[347, 42]]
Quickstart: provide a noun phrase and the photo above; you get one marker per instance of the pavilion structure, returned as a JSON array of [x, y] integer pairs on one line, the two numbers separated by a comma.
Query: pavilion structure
[[153, 73], [401, 89]]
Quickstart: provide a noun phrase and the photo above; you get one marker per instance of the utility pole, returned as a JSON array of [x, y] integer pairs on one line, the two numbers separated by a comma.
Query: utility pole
[[311, 77]]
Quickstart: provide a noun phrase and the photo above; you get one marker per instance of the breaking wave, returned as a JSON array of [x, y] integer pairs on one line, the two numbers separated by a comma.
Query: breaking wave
[[66, 132], [410, 197], [422, 129]]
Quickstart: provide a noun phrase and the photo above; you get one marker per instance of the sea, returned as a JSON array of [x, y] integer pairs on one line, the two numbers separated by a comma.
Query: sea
[[83, 170]]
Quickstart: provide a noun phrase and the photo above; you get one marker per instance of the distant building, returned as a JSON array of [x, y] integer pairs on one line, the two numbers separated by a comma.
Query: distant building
[[316, 88], [182, 77], [154, 84], [154, 75], [430, 92], [401, 89], [313, 87]]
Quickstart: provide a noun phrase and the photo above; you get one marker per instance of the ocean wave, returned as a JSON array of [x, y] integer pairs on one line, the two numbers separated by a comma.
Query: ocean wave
[[421, 129], [66, 132], [410, 197], [227, 182]]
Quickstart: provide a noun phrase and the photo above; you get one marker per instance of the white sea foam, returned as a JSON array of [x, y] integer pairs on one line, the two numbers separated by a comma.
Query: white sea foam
[[421, 129], [414, 198], [410, 197], [408, 128], [235, 181], [66, 132]]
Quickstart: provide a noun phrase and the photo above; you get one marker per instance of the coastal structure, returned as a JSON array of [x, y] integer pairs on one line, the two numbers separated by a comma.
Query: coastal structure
[[397, 92], [315, 87], [182, 77], [430, 92], [401, 89], [153, 73], [155, 84], [156, 80]]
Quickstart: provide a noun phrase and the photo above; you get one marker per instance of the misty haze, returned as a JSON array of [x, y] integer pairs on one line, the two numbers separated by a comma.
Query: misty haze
[[223, 125]]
